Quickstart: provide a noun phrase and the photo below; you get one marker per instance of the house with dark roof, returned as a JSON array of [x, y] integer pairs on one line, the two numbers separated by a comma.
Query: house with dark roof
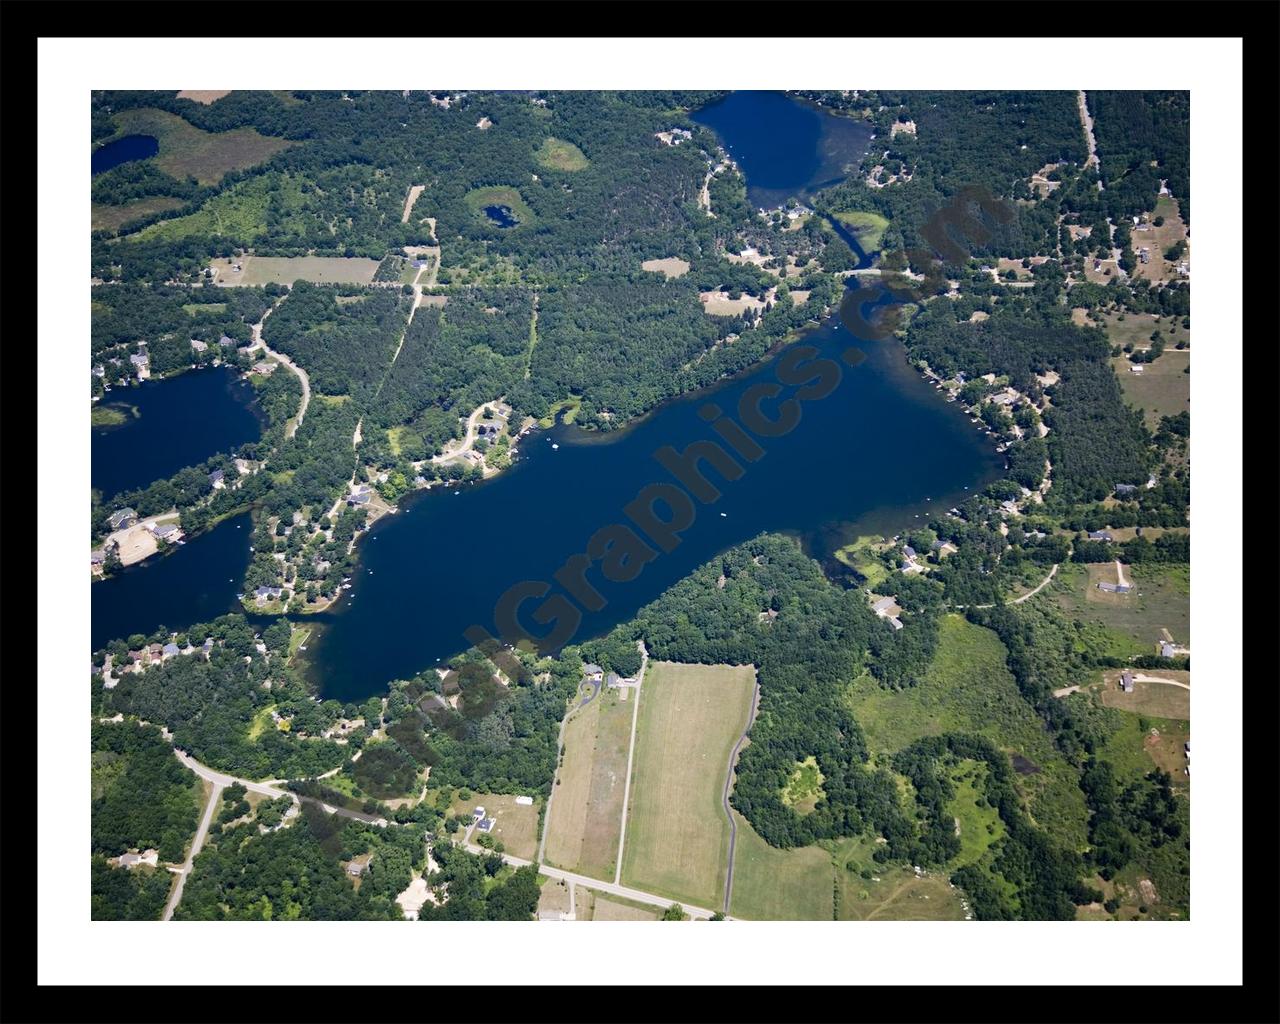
[[217, 479], [1115, 588], [1126, 681], [1126, 488], [122, 518], [593, 672], [909, 551], [166, 531], [227, 342], [1101, 535], [264, 594], [486, 824], [171, 650]]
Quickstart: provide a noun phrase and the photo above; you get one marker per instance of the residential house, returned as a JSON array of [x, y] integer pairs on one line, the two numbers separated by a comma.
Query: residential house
[[478, 813], [894, 621], [227, 342], [133, 859], [155, 654], [1101, 535], [593, 672], [524, 801], [1167, 649], [217, 480], [1126, 488], [357, 868], [166, 531], [486, 824], [122, 518], [263, 594], [170, 650], [910, 552], [1115, 588], [100, 371], [882, 606], [97, 559], [613, 680], [198, 346], [1126, 681]]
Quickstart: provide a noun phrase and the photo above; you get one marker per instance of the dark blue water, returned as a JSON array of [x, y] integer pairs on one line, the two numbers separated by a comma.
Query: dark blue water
[[882, 449], [196, 582], [785, 147], [181, 422], [131, 147], [501, 215], [882, 439]]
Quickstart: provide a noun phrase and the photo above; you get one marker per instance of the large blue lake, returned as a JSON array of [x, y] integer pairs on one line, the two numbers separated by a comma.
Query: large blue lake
[[882, 449], [122, 151], [179, 422]]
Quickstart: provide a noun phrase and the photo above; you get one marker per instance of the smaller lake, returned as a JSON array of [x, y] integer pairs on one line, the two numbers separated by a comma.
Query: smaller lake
[[784, 146], [122, 151], [501, 215], [178, 422], [197, 582]]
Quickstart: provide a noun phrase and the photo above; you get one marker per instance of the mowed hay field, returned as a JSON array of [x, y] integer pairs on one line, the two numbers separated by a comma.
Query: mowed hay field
[[188, 151], [1163, 388], [677, 841], [517, 824], [779, 885], [258, 270], [586, 811]]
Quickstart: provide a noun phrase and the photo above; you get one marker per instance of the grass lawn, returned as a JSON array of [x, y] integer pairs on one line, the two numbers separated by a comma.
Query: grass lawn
[[779, 885], [113, 218], [612, 908], [205, 307], [1157, 240], [499, 195], [979, 826], [867, 228], [187, 151], [1162, 389], [258, 270], [261, 721], [677, 835], [558, 155], [586, 813], [1161, 600], [874, 892], [568, 405], [1156, 700], [861, 557], [517, 824], [1143, 742]]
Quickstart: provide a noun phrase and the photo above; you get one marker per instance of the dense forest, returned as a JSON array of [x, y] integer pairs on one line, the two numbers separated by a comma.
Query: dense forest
[[1143, 137]]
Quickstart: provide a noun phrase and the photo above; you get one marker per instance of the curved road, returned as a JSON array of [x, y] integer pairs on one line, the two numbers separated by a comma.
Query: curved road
[[1017, 600], [728, 784], [292, 427]]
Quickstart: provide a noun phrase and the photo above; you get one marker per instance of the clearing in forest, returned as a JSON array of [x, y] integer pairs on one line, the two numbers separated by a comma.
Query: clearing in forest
[[677, 840]]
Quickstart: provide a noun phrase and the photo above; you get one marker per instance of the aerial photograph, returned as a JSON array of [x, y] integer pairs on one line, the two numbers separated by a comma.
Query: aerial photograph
[[638, 505]]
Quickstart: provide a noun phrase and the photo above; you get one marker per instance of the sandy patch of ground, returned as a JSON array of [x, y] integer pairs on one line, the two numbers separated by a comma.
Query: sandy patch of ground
[[669, 267], [410, 199], [902, 127], [1049, 377], [205, 96], [718, 303], [136, 542], [1040, 183], [977, 316], [258, 270], [748, 255], [800, 295], [433, 300]]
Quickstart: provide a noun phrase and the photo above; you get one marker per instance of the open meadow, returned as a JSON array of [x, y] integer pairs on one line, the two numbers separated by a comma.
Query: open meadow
[[586, 812], [259, 270], [677, 840], [187, 151]]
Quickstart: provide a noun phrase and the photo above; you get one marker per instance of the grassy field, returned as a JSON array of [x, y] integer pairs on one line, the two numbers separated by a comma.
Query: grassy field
[[1161, 600], [669, 267], [1157, 240], [979, 826], [568, 405], [586, 814], [598, 907], [558, 155], [861, 557], [517, 824], [113, 218], [1135, 329], [1143, 742], [1154, 700], [677, 836], [873, 892], [1162, 389], [258, 270], [779, 885], [968, 688], [804, 787], [499, 195], [867, 228], [187, 151], [240, 212]]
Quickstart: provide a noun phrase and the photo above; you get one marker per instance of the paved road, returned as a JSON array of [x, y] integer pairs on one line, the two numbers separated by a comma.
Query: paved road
[[215, 797], [728, 785], [631, 750]]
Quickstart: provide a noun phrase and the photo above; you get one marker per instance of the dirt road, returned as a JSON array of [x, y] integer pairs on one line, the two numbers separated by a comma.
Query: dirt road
[[631, 750], [728, 785]]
